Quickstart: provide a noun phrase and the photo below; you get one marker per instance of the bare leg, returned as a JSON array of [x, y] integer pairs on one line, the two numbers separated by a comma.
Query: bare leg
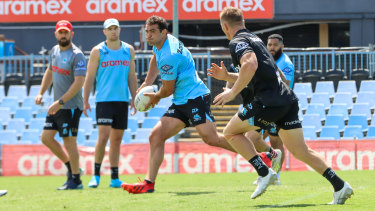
[[48, 139], [104, 131], [258, 141], [70, 144], [114, 147]]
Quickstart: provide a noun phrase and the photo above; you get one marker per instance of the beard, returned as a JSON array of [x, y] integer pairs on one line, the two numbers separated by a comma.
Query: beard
[[278, 54], [64, 43]]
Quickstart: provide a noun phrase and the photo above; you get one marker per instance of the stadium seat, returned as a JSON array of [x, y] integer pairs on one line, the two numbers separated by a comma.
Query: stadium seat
[[330, 132], [86, 124], [339, 108], [37, 123], [140, 116], [127, 137], [359, 119], [353, 132], [94, 135], [316, 108], [8, 137], [344, 97], [157, 112], [19, 91], [165, 102], [335, 120], [361, 108], [92, 101], [302, 100], [312, 120], [132, 124], [92, 114], [300, 114], [366, 97], [5, 114], [2, 92], [367, 86], [10, 102], [347, 86], [309, 133], [150, 122], [322, 97], [371, 132], [141, 135], [81, 137], [34, 91], [41, 112], [17, 124], [25, 112], [373, 120], [303, 88], [325, 86], [32, 135], [30, 102]]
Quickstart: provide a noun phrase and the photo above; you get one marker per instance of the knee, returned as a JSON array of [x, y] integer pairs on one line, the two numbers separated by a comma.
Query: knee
[[210, 140], [227, 134], [45, 139], [155, 138]]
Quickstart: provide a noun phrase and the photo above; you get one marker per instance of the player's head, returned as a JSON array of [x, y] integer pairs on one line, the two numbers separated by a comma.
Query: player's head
[[111, 29], [231, 17], [156, 29], [64, 33], [275, 45]]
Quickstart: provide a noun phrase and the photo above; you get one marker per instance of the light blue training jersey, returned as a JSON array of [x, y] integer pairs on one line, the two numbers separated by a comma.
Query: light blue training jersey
[[176, 63], [285, 65], [112, 74]]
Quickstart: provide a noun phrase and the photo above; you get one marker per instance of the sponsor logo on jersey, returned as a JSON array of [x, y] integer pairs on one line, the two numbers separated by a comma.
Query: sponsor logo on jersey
[[60, 70], [292, 122], [170, 111], [197, 117], [165, 69], [194, 110], [104, 120], [287, 70], [113, 63], [241, 45]]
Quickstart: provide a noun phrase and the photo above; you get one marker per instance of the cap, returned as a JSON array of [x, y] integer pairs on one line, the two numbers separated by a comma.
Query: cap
[[111, 22], [64, 24]]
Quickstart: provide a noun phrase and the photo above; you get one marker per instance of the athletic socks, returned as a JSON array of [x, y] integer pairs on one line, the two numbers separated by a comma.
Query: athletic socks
[[67, 164], [272, 153], [259, 166], [335, 180], [148, 181], [76, 179], [97, 169], [114, 172]]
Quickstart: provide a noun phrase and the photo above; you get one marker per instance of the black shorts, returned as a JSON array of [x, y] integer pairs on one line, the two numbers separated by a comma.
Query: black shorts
[[194, 112], [272, 131], [66, 121], [112, 113], [285, 117]]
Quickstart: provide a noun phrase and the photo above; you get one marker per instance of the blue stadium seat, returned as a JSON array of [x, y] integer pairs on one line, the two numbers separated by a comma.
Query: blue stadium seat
[[140, 116], [157, 112], [86, 124], [141, 135], [371, 132], [316, 108], [19, 91], [92, 114], [92, 101], [359, 119], [344, 97], [322, 97], [330, 132], [367, 86], [309, 133], [372, 120], [165, 102], [32, 135], [30, 102], [37, 123], [2, 92], [8, 137], [335, 120], [302, 100], [25, 112], [34, 91], [339, 108], [132, 124], [347, 86], [150, 122], [303, 88], [94, 135], [127, 138], [81, 137], [10, 102], [17, 124], [312, 120], [353, 132], [300, 114], [5, 114], [41, 112], [325, 86], [361, 108], [366, 97]]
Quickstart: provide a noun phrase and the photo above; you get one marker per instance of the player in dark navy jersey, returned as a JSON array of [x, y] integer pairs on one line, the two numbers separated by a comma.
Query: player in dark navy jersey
[[274, 103]]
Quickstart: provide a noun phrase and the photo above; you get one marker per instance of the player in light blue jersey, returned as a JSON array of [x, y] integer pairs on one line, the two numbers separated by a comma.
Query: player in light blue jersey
[[191, 99], [112, 63]]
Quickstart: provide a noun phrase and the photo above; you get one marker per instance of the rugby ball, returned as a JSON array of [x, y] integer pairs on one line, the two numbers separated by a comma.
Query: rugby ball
[[141, 101]]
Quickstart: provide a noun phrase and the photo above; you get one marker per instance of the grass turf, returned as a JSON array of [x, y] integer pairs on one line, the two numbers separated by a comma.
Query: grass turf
[[231, 191]]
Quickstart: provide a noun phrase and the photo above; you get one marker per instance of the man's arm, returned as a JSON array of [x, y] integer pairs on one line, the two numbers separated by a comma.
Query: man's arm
[[92, 68], [46, 83], [282, 76], [152, 73], [132, 78], [221, 73]]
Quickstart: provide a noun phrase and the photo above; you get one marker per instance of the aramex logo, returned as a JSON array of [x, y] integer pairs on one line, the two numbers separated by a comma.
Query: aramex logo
[[125, 6], [218, 5], [35, 7]]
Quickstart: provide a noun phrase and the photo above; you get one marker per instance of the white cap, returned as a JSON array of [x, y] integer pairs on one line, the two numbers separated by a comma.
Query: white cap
[[111, 22]]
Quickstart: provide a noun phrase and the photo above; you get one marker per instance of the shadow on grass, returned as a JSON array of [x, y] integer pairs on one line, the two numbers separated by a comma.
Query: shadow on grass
[[284, 206], [190, 193]]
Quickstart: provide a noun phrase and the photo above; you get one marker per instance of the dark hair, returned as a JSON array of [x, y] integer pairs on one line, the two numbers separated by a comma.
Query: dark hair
[[160, 21], [276, 36]]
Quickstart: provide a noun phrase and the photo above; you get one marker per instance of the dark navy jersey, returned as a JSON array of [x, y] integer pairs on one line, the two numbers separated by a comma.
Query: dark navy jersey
[[267, 84], [247, 93]]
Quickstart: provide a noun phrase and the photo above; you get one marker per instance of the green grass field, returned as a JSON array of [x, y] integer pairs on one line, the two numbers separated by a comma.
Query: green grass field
[[299, 191]]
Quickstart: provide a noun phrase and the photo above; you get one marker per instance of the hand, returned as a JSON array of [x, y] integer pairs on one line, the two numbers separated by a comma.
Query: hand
[[38, 99], [132, 107], [224, 97], [141, 87], [54, 108], [86, 106], [220, 73], [154, 99]]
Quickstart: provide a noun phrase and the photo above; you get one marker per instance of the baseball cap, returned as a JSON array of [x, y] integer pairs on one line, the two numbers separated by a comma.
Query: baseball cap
[[111, 22], [64, 24]]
